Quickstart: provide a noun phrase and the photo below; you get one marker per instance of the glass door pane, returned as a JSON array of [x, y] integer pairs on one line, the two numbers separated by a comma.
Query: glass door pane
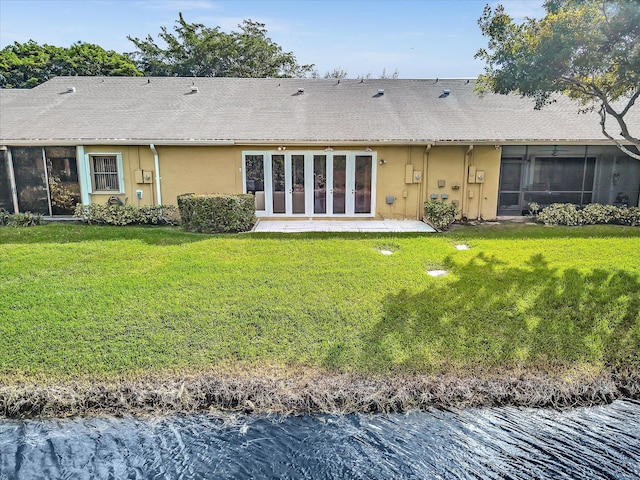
[[297, 183], [510, 175], [6, 199], [510, 180], [363, 184], [319, 184], [64, 189], [31, 180], [339, 184], [254, 179], [278, 183]]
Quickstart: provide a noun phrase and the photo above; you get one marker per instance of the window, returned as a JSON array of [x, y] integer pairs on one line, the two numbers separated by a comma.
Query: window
[[106, 172]]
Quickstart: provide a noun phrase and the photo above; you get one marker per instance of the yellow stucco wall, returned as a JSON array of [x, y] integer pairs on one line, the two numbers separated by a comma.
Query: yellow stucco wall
[[133, 158], [218, 169]]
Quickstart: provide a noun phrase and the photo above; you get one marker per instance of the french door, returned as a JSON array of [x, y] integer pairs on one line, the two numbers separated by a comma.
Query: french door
[[311, 183]]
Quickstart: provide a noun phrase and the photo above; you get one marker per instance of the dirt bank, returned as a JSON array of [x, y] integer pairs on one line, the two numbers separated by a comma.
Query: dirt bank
[[300, 391]]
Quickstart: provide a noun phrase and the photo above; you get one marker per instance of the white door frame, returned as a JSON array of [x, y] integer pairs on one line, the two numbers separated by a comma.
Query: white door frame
[[309, 182]]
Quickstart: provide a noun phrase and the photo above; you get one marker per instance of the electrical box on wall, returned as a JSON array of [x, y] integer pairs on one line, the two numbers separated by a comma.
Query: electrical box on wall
[[408, 174], [472, 174], [417, 177], [143, 176], [480, 176]]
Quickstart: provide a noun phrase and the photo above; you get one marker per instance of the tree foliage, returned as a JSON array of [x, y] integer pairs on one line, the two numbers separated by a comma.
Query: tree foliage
[[194, 49], [25, 65], [586, 49]]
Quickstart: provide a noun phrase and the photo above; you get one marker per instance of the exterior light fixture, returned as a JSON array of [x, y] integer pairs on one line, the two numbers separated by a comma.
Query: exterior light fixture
[[382, 161], [328, 149], [368, 149], [281, 148]]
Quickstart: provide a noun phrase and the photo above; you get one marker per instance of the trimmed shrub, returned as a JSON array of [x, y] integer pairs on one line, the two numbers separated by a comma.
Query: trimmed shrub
[[128, 214], [591, 214], [440, 214], [26, 219], [217, 213]]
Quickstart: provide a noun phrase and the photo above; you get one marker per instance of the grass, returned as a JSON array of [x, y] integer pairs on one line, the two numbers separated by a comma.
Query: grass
[[97, 301]]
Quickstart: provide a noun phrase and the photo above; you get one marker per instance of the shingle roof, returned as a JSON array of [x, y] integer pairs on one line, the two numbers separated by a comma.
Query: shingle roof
[[164, 110]]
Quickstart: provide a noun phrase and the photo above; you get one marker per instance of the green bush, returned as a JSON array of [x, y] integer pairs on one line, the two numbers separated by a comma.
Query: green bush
[[592, 214], [217, 213], [5, 217], [440, 214], [560, 214], [629, 216], [128, 214], [26, 219]]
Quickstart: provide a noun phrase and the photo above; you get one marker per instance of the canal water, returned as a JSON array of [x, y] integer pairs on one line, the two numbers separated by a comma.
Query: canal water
[[486, 443]]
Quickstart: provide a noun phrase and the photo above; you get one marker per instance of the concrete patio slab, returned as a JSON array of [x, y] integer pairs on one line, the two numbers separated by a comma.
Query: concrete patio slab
[[295, 226]]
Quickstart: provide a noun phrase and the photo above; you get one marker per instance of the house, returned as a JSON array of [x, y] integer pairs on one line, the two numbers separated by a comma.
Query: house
[[304, 147]]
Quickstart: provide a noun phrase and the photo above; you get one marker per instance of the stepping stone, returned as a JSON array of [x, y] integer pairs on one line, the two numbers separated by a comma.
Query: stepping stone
[[437, 273], [386, 252], [462, 247]]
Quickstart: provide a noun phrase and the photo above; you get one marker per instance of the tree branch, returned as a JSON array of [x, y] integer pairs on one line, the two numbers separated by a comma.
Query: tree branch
[[603, 117], [619, 116]]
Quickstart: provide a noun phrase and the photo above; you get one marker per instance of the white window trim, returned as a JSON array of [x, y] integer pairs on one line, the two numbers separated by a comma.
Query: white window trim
[[89, 169]]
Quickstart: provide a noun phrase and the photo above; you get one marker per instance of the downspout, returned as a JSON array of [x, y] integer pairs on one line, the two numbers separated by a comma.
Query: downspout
[[156, 162], [465, 182], [424, 187]]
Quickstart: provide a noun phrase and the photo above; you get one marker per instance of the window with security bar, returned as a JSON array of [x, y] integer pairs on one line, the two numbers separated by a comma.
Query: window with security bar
[[105, 173]]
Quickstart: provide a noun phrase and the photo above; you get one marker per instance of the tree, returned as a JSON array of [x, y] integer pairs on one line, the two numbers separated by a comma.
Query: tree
[[337, 73], [197, 50], [586, 49], [25, 65]]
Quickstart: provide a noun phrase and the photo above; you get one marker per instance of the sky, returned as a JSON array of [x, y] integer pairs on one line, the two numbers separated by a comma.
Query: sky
[[418, 38]]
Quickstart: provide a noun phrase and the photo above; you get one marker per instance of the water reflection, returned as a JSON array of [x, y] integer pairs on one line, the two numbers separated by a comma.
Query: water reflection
[[599, 442]]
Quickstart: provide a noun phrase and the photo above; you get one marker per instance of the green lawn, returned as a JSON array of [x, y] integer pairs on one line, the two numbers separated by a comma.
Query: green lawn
[[81, 300]]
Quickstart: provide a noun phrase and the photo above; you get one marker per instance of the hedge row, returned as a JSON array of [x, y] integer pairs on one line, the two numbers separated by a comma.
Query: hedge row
[[26, 219], [217, 213], [594, 213], [128, 214]]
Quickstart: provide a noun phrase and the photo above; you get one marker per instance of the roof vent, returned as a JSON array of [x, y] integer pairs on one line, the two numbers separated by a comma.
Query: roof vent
[[71, 89], [194, 89], [381, 91], [301, 90], [446, 92]]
